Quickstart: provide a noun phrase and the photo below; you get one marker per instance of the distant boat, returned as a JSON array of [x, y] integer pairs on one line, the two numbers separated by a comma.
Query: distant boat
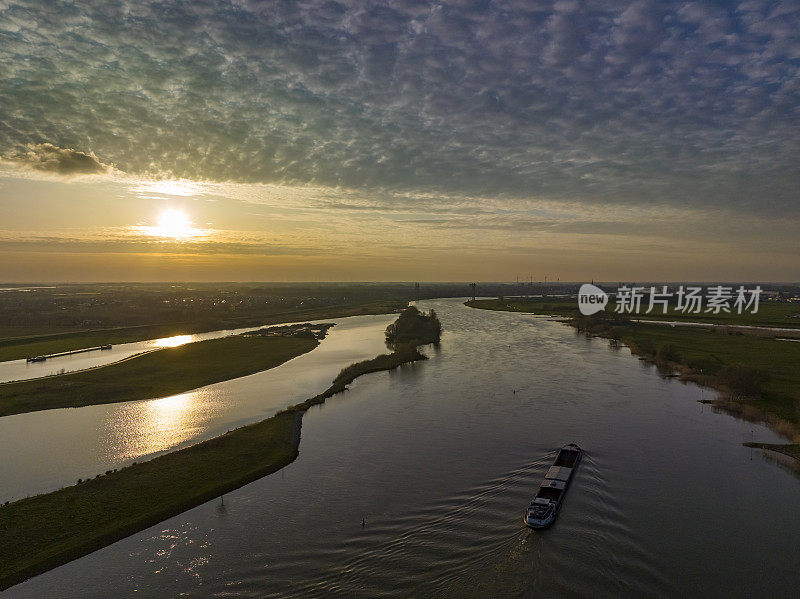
[[67, 353], [543, 510]]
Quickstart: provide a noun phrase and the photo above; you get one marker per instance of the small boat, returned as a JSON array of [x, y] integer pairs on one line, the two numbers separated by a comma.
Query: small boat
[[543, 510]]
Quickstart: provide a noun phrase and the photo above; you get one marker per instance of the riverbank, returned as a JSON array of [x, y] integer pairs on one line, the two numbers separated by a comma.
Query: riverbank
[[160, 373], [770, 314], [45, 531], [757, 376], [792, 451], [19, 347]]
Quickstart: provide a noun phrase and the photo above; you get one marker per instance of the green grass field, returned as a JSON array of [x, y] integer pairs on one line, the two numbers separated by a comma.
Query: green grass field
[[784, 314], [709, 351], [17, 343], [157, 374]]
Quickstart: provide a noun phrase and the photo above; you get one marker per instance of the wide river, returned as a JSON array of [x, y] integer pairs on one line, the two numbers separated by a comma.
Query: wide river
[[441, 457]]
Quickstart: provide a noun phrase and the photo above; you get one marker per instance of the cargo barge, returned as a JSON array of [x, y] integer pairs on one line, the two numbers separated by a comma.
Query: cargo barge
[[544, 508]]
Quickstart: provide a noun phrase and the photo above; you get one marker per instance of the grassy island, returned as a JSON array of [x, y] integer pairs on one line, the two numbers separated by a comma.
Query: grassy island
[[411, 329], [156, 374], [414, 328], [42, 532]]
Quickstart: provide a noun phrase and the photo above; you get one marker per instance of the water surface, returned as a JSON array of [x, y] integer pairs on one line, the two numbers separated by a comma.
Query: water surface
[[440, 459], [47, 450]]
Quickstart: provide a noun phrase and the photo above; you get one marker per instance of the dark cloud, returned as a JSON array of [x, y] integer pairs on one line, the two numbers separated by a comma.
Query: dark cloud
[[684, 103], [60, 161]]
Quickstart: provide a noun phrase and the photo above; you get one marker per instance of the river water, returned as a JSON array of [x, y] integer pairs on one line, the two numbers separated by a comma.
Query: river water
[[21, 370], [441, 457], [43, 451]]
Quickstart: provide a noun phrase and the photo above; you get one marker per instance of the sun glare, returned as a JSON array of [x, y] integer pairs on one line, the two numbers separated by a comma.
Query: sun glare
[[175, 341], [172, 224]]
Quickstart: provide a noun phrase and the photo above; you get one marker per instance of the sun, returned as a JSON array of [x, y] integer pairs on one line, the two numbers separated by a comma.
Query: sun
[[173, 224]]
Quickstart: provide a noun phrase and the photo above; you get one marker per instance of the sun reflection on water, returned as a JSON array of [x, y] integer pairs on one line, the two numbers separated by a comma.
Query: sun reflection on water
[[173, 341], [160, 424], [162, 413]]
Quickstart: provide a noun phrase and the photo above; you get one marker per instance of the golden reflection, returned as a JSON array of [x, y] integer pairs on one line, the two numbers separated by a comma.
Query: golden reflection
[[162, 412], [173, 341], [144, 428], [164, 423]]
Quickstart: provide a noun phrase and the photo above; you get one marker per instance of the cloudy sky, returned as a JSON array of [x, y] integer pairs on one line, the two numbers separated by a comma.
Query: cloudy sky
[[323, 140]]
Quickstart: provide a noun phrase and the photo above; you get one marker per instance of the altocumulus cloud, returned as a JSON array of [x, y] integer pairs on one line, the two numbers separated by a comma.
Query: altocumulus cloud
[[60, 161], [647, 102]]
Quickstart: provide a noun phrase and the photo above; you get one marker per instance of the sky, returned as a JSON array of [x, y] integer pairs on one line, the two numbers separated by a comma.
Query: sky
[[248, 140]]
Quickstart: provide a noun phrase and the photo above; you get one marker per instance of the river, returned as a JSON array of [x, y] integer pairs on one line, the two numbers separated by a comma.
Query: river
[[46, 450], [22, 370], [441, 457]]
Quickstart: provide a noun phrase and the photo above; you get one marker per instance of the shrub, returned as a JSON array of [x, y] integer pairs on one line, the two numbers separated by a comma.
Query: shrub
[[414, 328], [645, 346], [742, 380], [668, 353]]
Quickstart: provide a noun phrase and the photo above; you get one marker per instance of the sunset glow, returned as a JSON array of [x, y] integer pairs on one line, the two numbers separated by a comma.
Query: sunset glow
[[462, 141], [172, 224]]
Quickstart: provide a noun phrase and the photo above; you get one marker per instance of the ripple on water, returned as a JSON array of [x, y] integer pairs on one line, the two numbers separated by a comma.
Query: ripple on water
[[458, 545]]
